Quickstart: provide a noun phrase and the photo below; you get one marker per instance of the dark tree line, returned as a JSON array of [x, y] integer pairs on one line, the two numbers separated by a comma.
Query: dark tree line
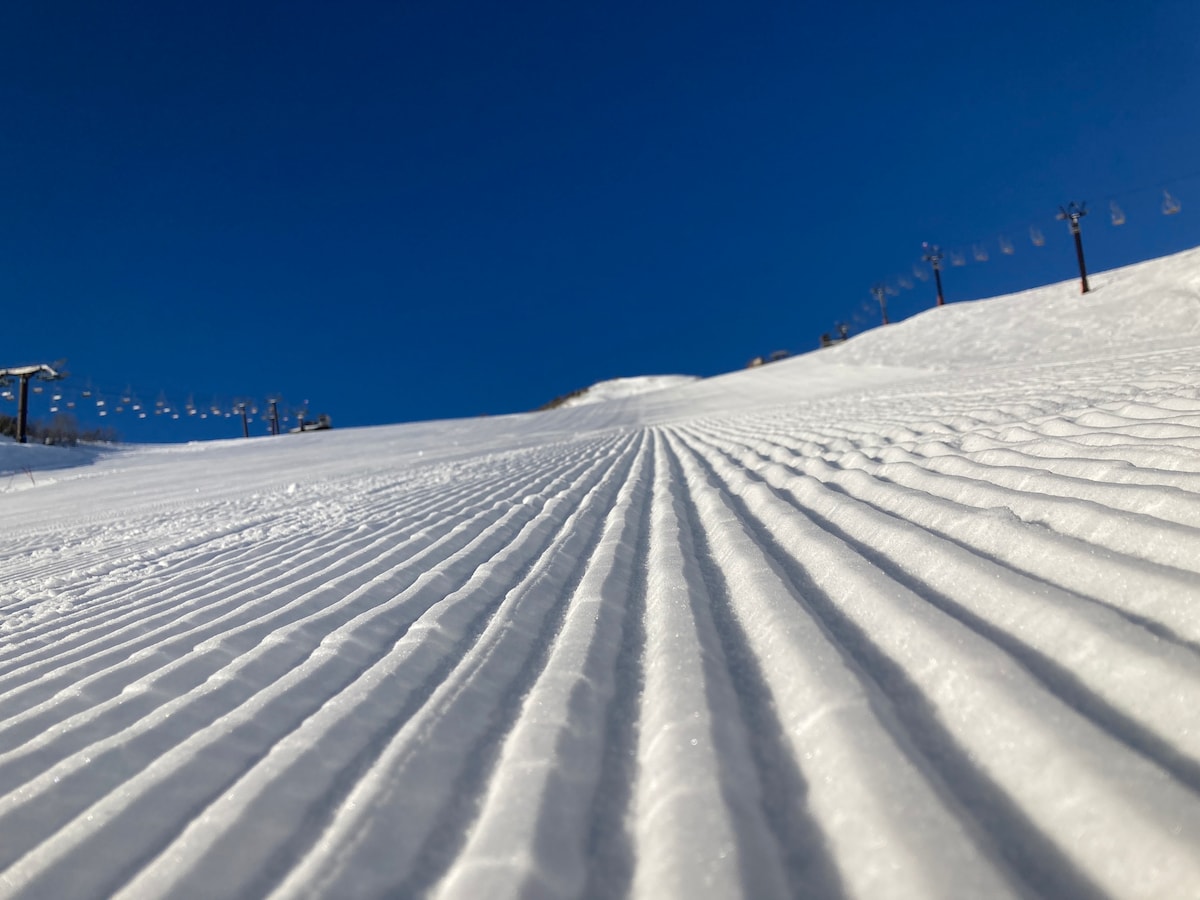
[[63, 430]]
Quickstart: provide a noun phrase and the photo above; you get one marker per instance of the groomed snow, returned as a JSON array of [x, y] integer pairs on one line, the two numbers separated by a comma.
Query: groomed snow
[[916, 616]]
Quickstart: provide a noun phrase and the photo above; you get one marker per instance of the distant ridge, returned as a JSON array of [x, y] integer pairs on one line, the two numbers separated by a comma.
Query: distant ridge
[[617, 389]]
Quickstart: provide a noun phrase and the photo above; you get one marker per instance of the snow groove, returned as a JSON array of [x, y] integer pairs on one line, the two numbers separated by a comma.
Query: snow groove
[[371, 826], [530, 836], [1060, 630], [284, 701], [909, 638]]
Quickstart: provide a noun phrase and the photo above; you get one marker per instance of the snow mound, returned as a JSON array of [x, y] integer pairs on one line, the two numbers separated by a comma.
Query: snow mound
[[620, 388]]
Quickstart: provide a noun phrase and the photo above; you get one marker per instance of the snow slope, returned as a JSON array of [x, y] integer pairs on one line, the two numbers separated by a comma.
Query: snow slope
[[916, 616]]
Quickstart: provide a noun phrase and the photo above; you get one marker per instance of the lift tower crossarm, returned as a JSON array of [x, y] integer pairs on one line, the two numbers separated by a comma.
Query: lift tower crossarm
[[47, 373]]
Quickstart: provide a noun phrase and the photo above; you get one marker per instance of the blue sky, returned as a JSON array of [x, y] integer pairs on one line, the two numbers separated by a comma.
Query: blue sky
[[402, 211]]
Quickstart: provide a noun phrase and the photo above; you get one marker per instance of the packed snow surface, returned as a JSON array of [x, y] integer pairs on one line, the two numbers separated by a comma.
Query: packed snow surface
[[915, 616]]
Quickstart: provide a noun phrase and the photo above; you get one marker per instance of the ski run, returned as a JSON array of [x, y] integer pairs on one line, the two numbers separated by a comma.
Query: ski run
[[915, 616]]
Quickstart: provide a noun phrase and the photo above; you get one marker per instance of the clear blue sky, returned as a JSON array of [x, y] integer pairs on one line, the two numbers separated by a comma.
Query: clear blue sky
[[415, 210]]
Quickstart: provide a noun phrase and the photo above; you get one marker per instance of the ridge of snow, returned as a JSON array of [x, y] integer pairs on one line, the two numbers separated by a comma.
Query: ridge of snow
[[620, 388]]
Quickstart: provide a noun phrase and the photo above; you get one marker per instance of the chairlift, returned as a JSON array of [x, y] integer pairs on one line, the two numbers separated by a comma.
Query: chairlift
[[1035, 235], [905, 282], [957, 259], [1117, 214], [1006, 246], [1170, 205], [980, 253]]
